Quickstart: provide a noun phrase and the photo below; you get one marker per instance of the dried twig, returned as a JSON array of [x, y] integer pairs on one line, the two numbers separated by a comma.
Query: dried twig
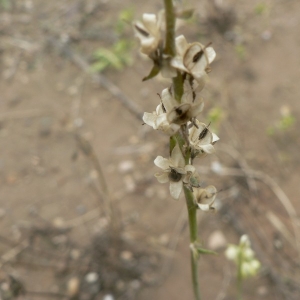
[[99, 78], [15, 115], [12, 253], [270, 182], [85, 146]]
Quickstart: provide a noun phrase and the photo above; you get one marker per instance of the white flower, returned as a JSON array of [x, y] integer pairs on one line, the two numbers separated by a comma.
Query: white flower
[[158, 121], [174, 171], [250, 268], [245, 241], [190, 107], [244, 257], [232, 252], [149, 32], [194, 59], [205, 198], [201, 139]]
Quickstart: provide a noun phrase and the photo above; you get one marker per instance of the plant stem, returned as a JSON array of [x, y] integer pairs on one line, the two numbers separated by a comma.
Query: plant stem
[[178, 86], [239, 279], [170, 50], [192, 213], [170, 28]]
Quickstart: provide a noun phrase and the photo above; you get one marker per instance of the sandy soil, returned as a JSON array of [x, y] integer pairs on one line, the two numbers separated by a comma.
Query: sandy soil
[[61, 126]]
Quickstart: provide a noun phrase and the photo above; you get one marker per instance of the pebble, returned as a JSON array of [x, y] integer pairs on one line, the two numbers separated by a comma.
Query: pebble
[[262, 291], [75, 254], [135, 284], [266, 35], [126, 166], [217, 240], [216, 167], [91, 277], [108, 297], [129, 183], [126, 256], [164, 239], [73, 286], [59, 223]]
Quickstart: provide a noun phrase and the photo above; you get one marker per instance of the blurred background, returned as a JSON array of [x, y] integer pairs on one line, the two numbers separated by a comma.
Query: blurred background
[[81, 214]]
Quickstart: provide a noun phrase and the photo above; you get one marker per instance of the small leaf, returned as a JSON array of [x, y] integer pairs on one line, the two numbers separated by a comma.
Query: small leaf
[[185, 14], [172, 143], [194, 182], [155, 70], [201, 250]]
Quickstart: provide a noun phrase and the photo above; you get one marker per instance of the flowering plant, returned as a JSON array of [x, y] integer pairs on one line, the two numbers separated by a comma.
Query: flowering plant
[[177, 115]]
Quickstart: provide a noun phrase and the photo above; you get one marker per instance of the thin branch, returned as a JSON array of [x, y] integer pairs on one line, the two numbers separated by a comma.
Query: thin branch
[[270, 182], [81, 63]]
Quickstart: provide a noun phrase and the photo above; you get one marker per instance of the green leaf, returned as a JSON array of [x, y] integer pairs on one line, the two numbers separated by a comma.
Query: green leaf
[[185, 14], [155, 70], [172, 143], [201, 250]]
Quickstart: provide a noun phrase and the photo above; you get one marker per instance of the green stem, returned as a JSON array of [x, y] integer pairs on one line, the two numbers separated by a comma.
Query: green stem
[[170, 50], [239, 279], [170, 28], [192, 213], [178, 86]]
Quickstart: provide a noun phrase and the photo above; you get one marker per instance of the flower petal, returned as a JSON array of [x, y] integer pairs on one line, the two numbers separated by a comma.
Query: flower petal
[[162, 162], [177, 157], [149, 119], [150, 23], [195, 59], [197, 109], [175, 189], [168, 101], [189, 168], [181, 45], [208, 148], [211, 54], [162, 177]]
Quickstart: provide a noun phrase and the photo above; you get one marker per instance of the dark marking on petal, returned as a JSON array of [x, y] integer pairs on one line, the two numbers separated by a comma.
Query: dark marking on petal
[[178, 111], [174, 175], [204, 132], [194, 123], [197, 56], [141, 31]]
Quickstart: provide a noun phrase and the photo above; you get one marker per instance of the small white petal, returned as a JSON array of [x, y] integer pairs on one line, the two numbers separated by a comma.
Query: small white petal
[[162, 162], [208, 148], [245, 241], [160, 120], [162, 177], [215, 138], [211, 54], [204, 207], [189, 168], [150, 23], [195, 59], [177, 157], [168, 101], [175, 189], [149, 119], [197, 109], [232, 252], [181, 45]]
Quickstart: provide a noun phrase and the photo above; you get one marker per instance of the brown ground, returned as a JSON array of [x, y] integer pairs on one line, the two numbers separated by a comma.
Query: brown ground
[[53, 208]]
